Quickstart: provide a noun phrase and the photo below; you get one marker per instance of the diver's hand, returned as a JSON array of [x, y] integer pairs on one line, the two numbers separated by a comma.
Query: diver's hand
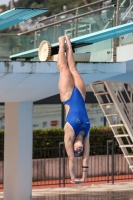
[[72, 181], [77, 181]]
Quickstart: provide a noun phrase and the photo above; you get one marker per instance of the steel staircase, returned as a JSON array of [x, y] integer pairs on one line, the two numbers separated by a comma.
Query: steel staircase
[[113, 98]]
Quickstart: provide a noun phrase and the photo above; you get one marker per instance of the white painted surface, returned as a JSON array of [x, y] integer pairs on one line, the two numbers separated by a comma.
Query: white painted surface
[[125, 53], [18, 151], [125, 77], [32, 81]]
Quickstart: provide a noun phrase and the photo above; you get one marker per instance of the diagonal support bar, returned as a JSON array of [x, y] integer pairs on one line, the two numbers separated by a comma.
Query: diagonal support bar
[[120, 110]]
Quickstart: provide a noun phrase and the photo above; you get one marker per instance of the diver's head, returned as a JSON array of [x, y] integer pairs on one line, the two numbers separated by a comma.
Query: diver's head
[[78, 148]]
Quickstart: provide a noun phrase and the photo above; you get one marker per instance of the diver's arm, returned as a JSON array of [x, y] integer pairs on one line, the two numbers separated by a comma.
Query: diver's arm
[[69, 149], [85, 157]]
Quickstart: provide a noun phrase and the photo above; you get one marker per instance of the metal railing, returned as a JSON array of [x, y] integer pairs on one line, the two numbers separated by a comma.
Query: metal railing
[[68, 19], [50, 165], [77, 26], [70, 11], [118, 7], [127, 12], [106, 165]]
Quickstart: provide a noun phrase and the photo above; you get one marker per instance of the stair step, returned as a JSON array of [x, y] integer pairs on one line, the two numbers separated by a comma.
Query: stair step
[[106, 104], [113, 114], [115, 125], [97, 83], [128, 156], [131, 166], [101, 93], [122, 135], [127, 145]]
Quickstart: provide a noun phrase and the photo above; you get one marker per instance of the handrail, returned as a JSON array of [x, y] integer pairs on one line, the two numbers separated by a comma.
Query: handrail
[[127, 11], [113, 15], [69, 11], [8, 34], [125, 20], [123, 2], [68, 19]]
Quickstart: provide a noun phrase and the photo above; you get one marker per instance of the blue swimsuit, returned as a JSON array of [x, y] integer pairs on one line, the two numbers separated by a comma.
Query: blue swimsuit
[[77, 116]]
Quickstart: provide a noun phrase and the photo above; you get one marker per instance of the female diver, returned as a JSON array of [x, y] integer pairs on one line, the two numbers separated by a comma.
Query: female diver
[[72, 94]]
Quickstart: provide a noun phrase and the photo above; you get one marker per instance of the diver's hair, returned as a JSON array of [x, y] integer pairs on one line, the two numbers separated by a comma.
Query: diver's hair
[[77, 154]]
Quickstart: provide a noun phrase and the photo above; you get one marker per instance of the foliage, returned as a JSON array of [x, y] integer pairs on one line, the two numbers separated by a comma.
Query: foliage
[[1, 140], [52, 137], [48, 139], [54, 6]]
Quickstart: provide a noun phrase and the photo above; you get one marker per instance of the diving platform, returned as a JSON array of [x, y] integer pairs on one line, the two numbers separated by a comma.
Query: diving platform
[[17, 15], [81, 41], [22, 83], [32, 81]]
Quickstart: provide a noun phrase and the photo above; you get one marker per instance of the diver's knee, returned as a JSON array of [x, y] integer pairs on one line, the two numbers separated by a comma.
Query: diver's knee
[[62, 67]]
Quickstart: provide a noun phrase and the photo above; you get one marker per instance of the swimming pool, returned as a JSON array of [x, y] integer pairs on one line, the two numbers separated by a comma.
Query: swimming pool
[[109, 195]]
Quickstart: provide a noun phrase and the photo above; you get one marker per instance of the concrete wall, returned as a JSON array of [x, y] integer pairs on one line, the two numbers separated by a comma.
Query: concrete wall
[[125, 53], [44, 169]]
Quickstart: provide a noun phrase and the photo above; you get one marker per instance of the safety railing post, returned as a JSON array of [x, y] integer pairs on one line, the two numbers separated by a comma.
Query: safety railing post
[[113, 159], [61, 143], [116, 23], [117, 12], [110, 141], [76, 25], [107, 161], [63, 166], [35, 39]]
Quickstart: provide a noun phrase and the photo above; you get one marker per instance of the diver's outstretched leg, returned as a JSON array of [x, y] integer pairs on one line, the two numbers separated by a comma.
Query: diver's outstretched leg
[[78, 81], [66, 83]]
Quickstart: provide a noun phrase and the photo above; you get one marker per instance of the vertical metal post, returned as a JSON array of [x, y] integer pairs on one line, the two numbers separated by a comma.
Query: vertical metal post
[[35, 39], [59, 166], [110, 141], [73, 29], [115, 40], [19, 43], [76, 25], [117, 12], [113, 160], [104, 121], [11, 4], [63, 166], [107, 161], [61, 143]]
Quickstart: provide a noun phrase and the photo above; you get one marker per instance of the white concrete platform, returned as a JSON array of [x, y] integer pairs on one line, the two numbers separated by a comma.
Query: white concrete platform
[[21, 83], [32, 81]]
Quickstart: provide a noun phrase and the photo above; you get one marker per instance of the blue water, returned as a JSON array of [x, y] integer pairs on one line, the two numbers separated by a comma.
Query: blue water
[[126, 195], [121, 195]]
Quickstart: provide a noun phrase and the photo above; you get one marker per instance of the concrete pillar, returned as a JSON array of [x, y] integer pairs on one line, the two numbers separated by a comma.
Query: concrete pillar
[[18, 151]]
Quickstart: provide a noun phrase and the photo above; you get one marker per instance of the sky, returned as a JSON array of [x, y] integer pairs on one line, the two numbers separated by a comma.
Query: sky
[[4, 2]]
